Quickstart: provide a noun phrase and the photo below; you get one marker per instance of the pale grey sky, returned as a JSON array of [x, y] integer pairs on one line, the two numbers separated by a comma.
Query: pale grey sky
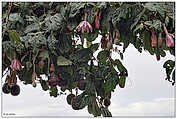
[[146, 93]]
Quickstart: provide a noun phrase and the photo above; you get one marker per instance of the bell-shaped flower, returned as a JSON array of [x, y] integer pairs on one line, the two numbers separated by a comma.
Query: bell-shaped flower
[[116, 36], [169, 40], [84, 26], [16, 64], [97, 19], [154, 38], [160, 40], [169, 37], [106, 41]]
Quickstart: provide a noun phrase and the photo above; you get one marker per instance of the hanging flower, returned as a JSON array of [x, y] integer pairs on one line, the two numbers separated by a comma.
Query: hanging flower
[[84, 26], [169, 37], [106, 41], [116, 36], [158, 57], [97, 19], [154, 38], [53, 79], [16, 65], [169, 40], [160, 40]]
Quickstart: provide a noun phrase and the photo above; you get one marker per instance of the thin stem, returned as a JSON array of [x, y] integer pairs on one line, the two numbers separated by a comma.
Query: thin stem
[[85, 17], [165, 29], [7, 18]]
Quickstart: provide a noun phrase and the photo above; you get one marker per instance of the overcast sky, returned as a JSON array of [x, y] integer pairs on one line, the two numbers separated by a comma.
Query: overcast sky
[[146, 93]]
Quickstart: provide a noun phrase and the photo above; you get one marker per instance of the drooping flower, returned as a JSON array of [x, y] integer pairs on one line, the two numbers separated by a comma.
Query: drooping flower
[[154, 38], [169, 40], [84, 26], [16, 65], [158, 57], [160, 40], [97, 19], [116, 36], [169, 37], [106, 41]]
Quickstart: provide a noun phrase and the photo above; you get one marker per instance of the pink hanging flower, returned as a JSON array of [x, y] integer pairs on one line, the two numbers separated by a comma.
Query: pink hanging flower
[[84, 26], [16, 65], [97, 19], [160, 40], [154, 38], [169, 38]]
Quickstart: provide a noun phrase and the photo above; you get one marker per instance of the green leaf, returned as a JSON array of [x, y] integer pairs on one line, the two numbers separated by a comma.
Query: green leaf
[[54, 23], [119, 13], [169, 63], [75, 8], [103, 56], [148, 23], [44, 54], [53, 91], [140, 26], [15, 17], [160, 7], [94, 47], [137, 19], [32, 27], [119, 65], [166, 21], [157, 25], [111, 83], [15, 38], [82, 55], [122, 81], [62, 61], [44, 85]]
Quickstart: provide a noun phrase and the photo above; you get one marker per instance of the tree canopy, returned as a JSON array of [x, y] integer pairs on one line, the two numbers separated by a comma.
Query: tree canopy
[[47, 38]]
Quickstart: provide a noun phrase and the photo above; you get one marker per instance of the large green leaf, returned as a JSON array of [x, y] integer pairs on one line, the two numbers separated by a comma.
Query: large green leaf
[[15, 38], [54, 23], [137, 19], [32, 27], [82, 55], [103, 56], [15, 17], [120, 66], [62, 61]]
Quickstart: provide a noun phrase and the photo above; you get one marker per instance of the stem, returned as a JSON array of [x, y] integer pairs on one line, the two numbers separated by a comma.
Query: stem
[[165, 29], [85, 17], [15, 55], [7, 18]]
